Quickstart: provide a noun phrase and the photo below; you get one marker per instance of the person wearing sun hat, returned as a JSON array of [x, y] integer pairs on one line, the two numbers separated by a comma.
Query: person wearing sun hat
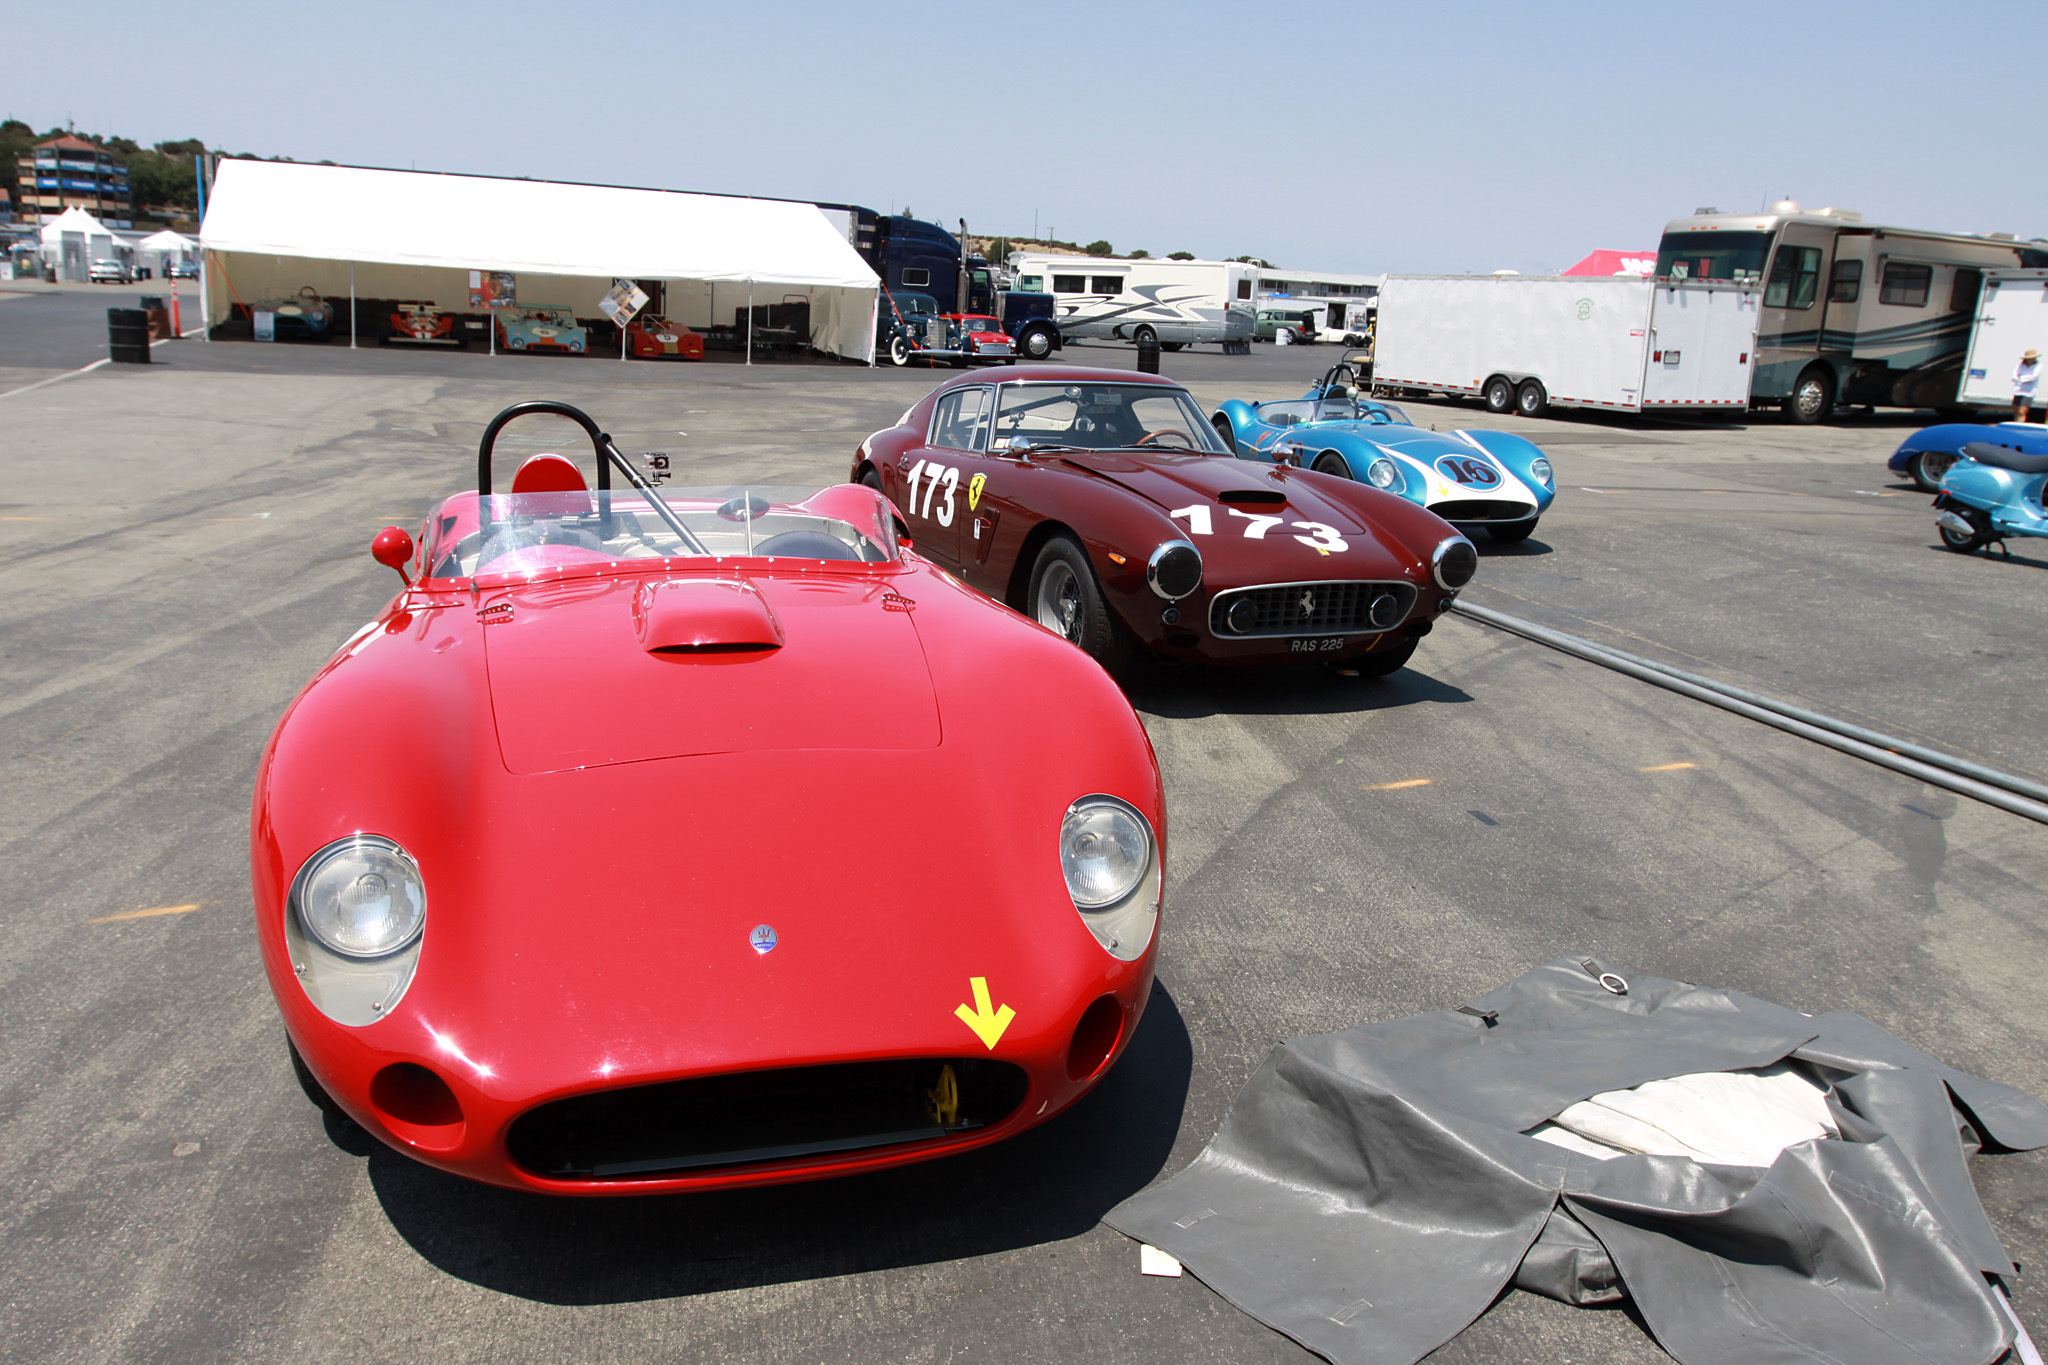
[[2024, 378]]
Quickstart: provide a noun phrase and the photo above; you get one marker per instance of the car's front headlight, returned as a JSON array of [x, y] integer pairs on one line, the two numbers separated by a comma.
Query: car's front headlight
[[353, 925], [1381, 473], [1539, 470], [1174, 570], [1111, 864], [1453, 562]]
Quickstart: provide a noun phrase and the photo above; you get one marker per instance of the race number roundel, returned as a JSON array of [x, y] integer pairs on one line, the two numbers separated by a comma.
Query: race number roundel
[[1468, 470]]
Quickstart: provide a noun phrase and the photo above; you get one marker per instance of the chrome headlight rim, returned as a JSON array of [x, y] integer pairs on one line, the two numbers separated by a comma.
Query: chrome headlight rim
[[1392, 476], [312, 867], [1444, 549], [1126, 926], [1159, 556], [1540, 470], [1103, 801]]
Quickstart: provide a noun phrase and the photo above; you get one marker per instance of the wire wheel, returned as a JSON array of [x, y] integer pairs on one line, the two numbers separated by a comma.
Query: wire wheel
[[1059, 607]]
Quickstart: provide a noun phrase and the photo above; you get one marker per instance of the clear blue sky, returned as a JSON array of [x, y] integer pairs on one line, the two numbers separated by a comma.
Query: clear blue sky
[[1360, 136]]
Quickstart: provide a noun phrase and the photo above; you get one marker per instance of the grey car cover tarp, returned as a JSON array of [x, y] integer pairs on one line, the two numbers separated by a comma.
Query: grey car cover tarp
[[1372, 1191]]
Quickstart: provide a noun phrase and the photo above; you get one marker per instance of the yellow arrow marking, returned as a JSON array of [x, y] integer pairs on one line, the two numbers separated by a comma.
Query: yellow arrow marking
[[988, 1024], [974, 491], [1398, 786], [1667, 767], [151, 913]]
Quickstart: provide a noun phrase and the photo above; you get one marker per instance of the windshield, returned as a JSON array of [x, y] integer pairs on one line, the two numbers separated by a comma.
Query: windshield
[[561, 315], [530, 532], [1713, 255], [1299, 410], [908, 304], [973, 323], [1101, 417]]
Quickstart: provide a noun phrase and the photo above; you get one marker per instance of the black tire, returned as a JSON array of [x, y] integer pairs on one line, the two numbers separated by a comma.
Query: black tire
[[1960, 543], [1036, 343], [1330, 462], [899, 351], [1499, 394], [1512, 533], [873, 479], [1927, 467], [1812, 398], [1143, 335], [1384, 660], [1064, 597], [1171, 345], [314, 1090], [1531, 400], [1225, 430]]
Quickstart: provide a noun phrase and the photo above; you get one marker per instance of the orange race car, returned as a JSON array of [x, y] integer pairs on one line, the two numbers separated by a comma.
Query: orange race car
[[654, 337]]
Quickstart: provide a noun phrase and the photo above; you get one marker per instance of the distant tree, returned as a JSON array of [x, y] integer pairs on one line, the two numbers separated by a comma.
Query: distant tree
[[1180, 255], [907, 213], [1098, 247], [1258, 261], [1141, 255]]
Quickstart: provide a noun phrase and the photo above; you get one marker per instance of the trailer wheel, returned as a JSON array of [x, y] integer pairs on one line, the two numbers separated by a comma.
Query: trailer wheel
[[1531, 400], [1499, 394], [1036, 343], [899, 351], [1812, 398]]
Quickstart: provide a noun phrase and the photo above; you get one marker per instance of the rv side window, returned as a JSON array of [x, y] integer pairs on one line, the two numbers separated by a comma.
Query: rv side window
[[915, 277], [1070, 284], [1963, 298], [1905, 285], [1031, 284], [1109, 284], [1795, 276], [1848, 282], [1244, 289]]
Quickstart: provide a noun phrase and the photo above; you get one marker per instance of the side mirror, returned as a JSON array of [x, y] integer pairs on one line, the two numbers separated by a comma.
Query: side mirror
[[393, 549]]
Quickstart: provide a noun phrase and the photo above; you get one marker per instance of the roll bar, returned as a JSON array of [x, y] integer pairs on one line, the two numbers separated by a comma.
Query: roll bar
[[607, 456]]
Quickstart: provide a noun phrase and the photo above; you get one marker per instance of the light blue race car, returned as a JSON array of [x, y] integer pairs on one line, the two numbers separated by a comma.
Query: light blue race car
[[1492, 480]]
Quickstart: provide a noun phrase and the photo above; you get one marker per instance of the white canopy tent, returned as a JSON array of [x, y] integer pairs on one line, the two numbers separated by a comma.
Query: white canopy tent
[[160, 248], [73, 240], [272, 227]]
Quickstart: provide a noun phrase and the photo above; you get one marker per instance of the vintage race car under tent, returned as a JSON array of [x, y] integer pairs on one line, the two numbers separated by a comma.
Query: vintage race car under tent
[[275, 228]]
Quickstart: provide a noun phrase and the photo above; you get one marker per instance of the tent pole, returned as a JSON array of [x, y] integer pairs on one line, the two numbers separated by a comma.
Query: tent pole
[[205, 302], [351, 305], [750, 319]]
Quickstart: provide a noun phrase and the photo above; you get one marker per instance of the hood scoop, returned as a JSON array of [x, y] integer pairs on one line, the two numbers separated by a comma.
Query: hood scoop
[[704, 616], [1252, 497]]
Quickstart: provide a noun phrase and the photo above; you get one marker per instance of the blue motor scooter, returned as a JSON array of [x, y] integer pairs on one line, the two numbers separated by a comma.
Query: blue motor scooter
[[1989, 493]]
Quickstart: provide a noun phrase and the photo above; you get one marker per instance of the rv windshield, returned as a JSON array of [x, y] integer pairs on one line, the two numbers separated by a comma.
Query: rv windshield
[[1713, 255]]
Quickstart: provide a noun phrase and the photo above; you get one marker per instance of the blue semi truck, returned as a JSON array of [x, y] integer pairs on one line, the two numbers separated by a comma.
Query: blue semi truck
[[916, 257]]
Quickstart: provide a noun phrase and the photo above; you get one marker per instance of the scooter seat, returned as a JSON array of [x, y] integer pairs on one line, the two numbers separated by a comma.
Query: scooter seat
[[2005, 457]]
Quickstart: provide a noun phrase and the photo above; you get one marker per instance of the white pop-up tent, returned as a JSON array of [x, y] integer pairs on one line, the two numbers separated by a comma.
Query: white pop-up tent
[[274, 227], [73, 240], [160, 248]]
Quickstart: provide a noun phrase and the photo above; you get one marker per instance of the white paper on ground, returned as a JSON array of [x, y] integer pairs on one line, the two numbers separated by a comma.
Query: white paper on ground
[[1153, 1261]]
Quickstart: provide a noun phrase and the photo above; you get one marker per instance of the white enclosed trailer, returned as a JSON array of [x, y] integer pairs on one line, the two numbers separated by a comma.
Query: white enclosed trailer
[[2012, 319], [1178, 303], [1527, 342]]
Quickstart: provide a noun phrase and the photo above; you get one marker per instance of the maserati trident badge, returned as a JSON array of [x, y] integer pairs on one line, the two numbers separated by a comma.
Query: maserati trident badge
[[763, 938]]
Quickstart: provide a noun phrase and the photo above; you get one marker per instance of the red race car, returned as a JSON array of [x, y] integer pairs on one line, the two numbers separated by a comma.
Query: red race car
[[1101, 504], [654, 337], [420, 323], [658, 839]]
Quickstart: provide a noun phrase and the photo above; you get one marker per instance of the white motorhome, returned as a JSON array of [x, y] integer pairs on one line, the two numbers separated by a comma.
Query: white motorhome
[[1852, 312], [1177, 303], [1530, 342], [2012, 319]]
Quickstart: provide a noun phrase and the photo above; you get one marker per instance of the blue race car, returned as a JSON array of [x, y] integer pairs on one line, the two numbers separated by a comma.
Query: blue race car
[[541, 327], [1928, 452], [1488, 479]]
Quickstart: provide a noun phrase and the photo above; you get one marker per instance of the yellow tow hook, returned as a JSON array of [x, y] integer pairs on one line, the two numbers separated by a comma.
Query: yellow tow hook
[[942, 1101]]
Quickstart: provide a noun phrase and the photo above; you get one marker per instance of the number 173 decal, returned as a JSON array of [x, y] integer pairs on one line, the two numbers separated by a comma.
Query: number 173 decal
[[1323, 539]]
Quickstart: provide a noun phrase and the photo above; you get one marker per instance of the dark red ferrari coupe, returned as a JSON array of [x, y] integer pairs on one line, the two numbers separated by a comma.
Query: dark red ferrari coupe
[[1101, 504], [655, 839]]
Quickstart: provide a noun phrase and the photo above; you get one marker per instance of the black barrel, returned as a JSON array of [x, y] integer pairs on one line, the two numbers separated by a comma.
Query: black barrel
[[128, 336], [150, 301], [1148, 354]]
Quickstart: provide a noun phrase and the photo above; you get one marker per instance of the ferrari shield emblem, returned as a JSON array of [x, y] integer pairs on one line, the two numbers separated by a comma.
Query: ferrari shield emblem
[[974, 491]]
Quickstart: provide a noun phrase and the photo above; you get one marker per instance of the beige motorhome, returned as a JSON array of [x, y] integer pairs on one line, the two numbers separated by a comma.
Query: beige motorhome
[[1852, 312]]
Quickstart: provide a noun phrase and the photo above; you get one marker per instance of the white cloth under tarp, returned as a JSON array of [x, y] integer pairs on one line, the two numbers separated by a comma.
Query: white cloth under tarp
[[342, 214], [1730, 1118]]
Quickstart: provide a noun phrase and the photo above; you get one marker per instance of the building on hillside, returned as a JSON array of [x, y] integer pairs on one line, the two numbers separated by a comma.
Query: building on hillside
[[70, 173]]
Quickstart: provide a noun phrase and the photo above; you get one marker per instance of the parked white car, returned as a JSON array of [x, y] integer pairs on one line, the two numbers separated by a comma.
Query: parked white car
[[110, 272]]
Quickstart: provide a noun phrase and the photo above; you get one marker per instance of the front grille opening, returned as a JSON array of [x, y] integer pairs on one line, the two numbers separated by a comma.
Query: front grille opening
[[1340, 608], [1483, 509], [756, 1116]]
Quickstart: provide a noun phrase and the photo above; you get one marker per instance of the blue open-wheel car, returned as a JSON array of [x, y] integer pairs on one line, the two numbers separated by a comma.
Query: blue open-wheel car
[[1491, 480]]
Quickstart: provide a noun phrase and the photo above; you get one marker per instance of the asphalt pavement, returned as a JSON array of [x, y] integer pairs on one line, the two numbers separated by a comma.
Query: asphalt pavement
[[185, 543]]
